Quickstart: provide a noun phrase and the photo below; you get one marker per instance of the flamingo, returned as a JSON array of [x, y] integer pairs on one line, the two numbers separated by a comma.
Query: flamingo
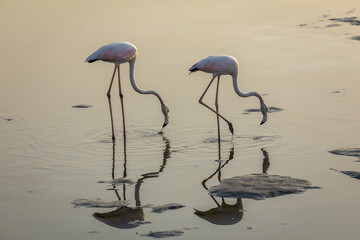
[[118, 53], [225, 65]]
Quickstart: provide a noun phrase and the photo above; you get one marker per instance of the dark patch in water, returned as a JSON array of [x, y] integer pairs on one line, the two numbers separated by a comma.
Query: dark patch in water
[[118, 181], [353, 174], [351, 20], [166, 234], [263, 138], [8, 119], [302, 25], [271, 110], [105, 141], [258, 138], [170, 206], [259, 186], [334, 25], [350, 152], [81, 202], [215, 140], [138, 223], [82, 106], [357, 38], [163, 234], [339, 91]]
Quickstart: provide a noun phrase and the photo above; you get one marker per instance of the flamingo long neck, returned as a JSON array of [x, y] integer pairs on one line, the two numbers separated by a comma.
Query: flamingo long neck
[[245, 95], [133, 84]]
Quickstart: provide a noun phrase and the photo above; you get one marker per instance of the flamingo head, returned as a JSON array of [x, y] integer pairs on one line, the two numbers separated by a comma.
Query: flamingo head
[[264, 110], [165, 110]]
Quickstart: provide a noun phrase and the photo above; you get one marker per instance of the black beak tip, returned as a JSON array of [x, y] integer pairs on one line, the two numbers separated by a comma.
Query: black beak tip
[[164, 125], [262, 122]]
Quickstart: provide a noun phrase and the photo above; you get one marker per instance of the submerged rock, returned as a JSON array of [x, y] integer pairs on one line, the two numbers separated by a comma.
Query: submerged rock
[[82, 106], [81, 202], [259, 186], [353, 174], [351, 152], [169, 206]]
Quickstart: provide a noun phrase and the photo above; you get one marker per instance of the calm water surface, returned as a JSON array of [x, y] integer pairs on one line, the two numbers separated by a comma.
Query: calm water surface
[[52, 154]]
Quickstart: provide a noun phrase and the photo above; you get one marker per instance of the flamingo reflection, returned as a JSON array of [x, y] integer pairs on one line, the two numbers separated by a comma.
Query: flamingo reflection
[[225, 213], [124, 217], [266, 161]]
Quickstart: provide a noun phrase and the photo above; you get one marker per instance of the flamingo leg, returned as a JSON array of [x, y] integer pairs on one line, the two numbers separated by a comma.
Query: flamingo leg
[[202, 103], [112, 79], [113, 172], [217, 107], [125, 170], [122, 103], [109, 100]]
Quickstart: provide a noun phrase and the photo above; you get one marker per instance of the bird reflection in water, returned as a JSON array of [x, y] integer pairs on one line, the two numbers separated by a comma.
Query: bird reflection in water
[[266, 161], [125, 217], [225, 213]]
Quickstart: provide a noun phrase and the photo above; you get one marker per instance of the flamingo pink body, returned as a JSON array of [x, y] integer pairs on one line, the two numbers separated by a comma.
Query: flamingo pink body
[[119, 52], [217, 65]]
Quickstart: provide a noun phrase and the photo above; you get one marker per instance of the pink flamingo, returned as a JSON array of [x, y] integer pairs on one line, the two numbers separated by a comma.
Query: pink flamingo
[[225, 65], [118, 53]]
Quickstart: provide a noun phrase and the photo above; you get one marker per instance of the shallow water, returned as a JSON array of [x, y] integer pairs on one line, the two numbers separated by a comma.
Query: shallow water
[[53, 154]]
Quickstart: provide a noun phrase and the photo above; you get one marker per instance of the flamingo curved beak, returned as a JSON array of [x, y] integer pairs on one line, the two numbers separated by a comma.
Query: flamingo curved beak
[[264, 119]]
